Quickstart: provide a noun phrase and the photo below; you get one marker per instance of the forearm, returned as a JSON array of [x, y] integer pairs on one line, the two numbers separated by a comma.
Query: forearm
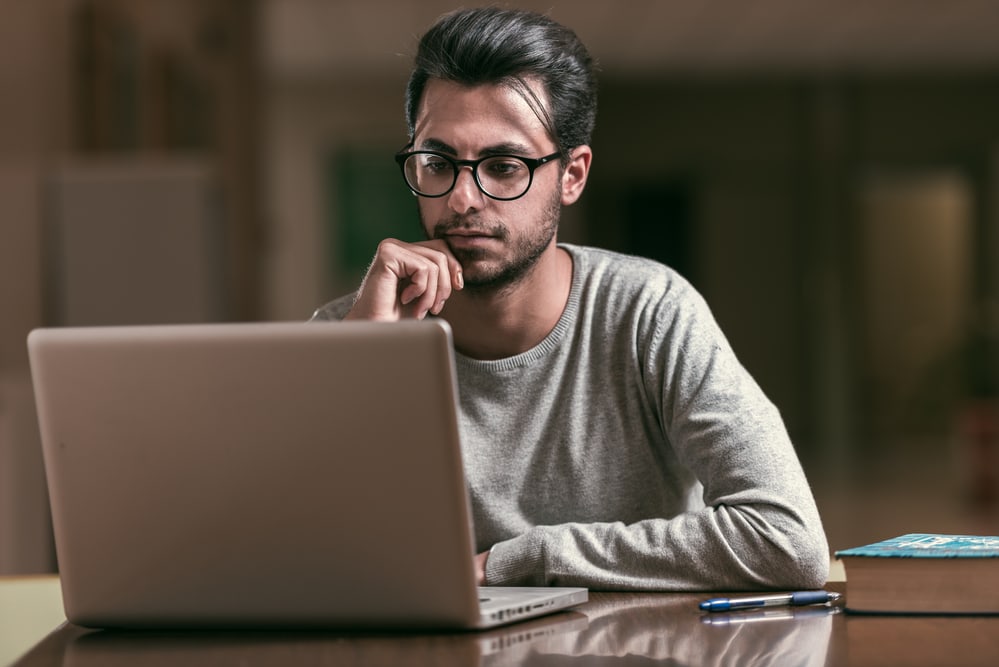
[[715, 548]]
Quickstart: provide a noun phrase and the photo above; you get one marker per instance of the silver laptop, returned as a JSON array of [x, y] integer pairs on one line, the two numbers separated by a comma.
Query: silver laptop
[[267, 474]]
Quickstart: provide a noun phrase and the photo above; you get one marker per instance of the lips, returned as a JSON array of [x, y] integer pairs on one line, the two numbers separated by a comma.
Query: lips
[[469, 233], [467, 236], [459, 242]]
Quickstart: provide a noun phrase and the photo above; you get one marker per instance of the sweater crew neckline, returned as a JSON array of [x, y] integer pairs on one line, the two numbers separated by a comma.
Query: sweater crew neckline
[[554, 337]]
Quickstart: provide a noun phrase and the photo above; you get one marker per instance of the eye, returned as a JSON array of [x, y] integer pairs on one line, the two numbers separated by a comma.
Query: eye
[[504, 167], [434, 165]]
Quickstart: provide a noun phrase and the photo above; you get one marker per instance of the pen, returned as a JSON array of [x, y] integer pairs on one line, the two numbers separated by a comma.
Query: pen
[[779, 600]]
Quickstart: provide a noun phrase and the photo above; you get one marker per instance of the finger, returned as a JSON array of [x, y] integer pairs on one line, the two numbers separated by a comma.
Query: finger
[[444, 279], [455, 273], [420, 293], [394, 277], [452, 267], [407, 280], [449, 277]]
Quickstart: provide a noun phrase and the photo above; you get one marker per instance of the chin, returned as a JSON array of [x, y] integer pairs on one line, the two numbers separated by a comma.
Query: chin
[[479, 276]]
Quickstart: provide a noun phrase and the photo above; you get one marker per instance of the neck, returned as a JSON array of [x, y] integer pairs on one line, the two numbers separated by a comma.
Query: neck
[[493, 324]]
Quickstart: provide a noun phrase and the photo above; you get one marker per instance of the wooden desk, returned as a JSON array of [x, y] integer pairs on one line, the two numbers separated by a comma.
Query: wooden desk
[[612, 629]]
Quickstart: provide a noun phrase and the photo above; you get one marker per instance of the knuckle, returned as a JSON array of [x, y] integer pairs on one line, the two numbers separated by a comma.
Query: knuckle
[[387, 245]]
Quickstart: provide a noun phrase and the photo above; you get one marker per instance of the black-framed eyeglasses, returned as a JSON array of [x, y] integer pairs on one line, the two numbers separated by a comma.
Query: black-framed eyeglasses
[[502, 177]]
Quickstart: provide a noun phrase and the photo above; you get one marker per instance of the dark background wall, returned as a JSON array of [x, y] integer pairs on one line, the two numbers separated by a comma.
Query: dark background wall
[[825, 173]]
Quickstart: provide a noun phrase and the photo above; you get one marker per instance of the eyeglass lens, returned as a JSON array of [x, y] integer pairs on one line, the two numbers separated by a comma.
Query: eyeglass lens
[[431, 175]]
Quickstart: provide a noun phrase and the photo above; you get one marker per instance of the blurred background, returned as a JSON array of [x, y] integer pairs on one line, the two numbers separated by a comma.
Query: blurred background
[[826, 173]]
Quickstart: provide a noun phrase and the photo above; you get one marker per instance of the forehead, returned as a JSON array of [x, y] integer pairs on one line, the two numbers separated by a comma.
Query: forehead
[[475, 117]]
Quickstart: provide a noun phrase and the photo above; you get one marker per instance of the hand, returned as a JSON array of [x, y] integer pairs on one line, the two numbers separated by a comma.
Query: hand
[[407, 280], [480, 568]]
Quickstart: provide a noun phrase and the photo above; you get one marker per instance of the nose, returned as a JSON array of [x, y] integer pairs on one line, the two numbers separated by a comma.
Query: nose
[[465, 196]]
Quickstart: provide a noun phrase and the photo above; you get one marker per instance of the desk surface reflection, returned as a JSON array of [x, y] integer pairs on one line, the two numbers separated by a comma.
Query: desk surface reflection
[[611, 629]]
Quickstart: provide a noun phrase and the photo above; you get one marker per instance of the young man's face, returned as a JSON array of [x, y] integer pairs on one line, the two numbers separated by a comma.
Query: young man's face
[[496, 242]]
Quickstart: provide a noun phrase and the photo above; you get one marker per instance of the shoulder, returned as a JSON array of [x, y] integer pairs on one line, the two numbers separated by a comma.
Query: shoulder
[[618, 280], [642, 301]]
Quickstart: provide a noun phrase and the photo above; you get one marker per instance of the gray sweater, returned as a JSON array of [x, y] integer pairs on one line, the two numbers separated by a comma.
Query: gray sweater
[[630, 450]]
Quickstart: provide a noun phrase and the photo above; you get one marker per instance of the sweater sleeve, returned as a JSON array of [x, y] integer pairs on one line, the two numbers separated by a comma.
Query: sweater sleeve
[[334, 310], [759, 526], [754, 523]]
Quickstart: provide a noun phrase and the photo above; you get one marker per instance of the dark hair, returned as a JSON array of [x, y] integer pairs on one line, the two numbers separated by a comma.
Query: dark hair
[[511, 47]]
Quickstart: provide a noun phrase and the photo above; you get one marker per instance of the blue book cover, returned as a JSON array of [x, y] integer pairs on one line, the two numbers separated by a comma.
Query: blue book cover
[[929, 545]]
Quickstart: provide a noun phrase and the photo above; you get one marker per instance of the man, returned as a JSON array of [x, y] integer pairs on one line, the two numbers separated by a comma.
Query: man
[[611, 438]]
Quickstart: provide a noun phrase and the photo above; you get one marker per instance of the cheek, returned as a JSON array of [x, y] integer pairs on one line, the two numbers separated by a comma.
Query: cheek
[[429, 211], [543, 200]]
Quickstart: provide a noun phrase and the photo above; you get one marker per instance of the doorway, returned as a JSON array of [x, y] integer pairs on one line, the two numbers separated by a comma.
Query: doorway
[[916, 261]]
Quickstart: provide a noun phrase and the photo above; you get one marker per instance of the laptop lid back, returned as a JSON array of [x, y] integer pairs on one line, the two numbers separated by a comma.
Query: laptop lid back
[[256, 474]]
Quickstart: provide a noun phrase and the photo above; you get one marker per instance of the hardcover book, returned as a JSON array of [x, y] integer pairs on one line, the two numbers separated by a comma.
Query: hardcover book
[[923, 573]]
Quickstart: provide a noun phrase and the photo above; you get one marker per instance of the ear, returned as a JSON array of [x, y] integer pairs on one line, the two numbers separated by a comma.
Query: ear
[[575, 174]]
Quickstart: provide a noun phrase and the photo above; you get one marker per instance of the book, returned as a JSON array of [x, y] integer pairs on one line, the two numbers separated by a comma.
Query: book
[[923, 573]]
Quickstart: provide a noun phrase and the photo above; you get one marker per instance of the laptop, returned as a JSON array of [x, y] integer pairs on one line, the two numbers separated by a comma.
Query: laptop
[[263, 475]]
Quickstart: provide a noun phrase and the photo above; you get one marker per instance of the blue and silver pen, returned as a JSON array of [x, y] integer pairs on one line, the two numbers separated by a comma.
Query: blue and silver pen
[[779, 600]]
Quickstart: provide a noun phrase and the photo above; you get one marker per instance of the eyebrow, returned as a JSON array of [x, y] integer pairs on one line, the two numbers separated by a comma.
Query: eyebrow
[[507, 148]]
